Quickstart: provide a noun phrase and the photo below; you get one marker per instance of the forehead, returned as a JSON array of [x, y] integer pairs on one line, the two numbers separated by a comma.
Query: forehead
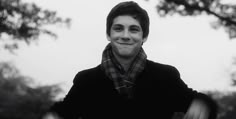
[[126, 20]]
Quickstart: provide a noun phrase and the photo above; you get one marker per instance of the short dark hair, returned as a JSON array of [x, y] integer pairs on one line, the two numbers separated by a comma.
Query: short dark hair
[[129, 8]]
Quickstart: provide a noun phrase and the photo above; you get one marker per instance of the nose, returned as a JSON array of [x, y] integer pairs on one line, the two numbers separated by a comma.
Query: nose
[[125, 35]]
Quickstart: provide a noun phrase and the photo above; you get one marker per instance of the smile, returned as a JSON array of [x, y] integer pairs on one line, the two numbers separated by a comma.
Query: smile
[[124, 44]]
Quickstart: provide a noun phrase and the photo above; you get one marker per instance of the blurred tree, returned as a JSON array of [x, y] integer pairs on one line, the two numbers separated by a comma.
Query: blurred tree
[[225, 13], [233, 72], [226, 103], [19, 99], [25, 22]]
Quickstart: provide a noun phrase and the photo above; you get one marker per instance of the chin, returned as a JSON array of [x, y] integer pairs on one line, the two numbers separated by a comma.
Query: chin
[[126, 54]]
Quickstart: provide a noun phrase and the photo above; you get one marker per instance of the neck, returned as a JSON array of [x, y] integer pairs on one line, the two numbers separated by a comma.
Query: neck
[[124, 61]]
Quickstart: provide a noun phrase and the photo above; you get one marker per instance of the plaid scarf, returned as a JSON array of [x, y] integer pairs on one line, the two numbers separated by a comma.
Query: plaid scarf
[[123, 81]]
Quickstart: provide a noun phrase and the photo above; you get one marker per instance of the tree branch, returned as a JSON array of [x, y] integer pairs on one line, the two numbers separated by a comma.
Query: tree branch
[[199, 8]]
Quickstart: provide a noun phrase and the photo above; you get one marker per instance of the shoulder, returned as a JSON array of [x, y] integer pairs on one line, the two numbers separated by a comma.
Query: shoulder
[[161, 68], [90, 73]]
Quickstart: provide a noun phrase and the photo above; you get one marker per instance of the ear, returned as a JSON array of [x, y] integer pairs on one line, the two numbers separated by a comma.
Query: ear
[[144, 40], [108, 38]]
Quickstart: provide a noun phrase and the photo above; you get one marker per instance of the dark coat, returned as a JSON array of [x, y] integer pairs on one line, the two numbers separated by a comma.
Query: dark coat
[[158, 93]]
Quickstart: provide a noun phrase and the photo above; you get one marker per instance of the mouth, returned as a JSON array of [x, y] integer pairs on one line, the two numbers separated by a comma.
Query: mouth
[[124, 43]]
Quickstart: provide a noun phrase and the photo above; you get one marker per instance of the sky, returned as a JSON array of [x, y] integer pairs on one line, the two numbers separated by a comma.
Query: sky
[[202, 54]]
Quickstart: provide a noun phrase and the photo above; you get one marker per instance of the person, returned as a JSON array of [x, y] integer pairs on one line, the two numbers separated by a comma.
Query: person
[[127, 85]]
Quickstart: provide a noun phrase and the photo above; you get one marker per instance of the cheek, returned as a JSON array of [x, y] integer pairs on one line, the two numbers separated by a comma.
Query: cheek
[[137, 37], [114, 34], [138, 40], [114, 37]]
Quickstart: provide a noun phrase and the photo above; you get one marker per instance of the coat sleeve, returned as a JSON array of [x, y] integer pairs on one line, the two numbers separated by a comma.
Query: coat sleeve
[[186, 95], [70, 107]]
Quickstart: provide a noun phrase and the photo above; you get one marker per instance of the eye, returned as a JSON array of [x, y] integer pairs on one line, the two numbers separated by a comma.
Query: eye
[[135, 29], [117, 28]]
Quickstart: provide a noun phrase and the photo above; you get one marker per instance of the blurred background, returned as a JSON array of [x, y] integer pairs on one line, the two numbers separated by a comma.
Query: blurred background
[[44, 43]]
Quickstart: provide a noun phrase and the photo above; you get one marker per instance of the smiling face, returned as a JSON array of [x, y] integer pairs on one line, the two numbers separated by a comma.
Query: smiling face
[[126, 36]]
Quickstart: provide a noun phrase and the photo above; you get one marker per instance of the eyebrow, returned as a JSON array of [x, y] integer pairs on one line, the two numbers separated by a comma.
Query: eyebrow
[[117, 25], [136, 26]]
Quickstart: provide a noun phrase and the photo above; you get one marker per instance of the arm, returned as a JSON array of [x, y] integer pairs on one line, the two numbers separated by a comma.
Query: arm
[[197, 110], [51, 115], [194, 104], [202, 108]]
